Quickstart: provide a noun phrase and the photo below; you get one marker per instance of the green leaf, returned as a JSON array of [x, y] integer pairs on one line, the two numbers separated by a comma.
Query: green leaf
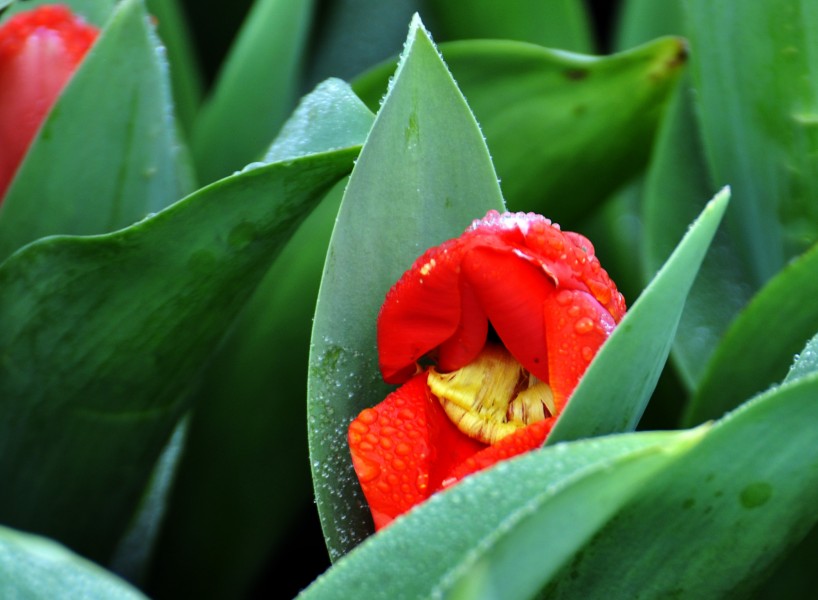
[[101, 336], [96, 12], [423, 175], [711, 524], [642, 20], [108, 146], [185, 75], [549, 120], [615, 389], [253, 394], [676, 182], [6, 3], [256, 89], [754, 66], [36, 568], [560, 24], [772, 329], [805, 363], [504, 532]]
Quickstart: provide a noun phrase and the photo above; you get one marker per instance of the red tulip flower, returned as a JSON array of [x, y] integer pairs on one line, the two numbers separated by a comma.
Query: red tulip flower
[[489, 333], [39, 51]]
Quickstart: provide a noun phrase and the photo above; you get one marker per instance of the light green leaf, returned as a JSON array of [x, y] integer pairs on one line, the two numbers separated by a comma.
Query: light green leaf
[[772, 329], [101, 336], [504, 532], [256, 89], [754, 66], [35, 568], [108, 147], [805, 363], [711, 524], [676, 183], [423, 175], [252, 395], [549, 119], [560, 24], [615, 389]]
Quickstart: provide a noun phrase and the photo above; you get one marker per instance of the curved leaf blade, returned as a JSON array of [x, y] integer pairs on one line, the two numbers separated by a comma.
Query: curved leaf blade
[[423, 175], [108, 145], [610, 398]]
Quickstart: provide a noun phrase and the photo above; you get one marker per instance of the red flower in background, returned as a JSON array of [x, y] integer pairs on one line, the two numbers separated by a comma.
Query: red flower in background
[[504, 320], [39, 51]]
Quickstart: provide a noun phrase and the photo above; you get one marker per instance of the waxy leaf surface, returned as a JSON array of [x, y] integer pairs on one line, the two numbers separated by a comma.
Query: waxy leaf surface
[[108, 146], [423, 175]]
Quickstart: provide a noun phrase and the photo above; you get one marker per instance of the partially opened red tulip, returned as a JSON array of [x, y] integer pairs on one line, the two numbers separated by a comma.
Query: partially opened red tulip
[[489, 333], [39, 51]]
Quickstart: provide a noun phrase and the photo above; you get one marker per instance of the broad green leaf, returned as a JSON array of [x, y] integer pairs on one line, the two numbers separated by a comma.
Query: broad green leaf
[[504, 532], [96, 12], [642, 20], [805, 363], [101, 336], [676, 183], [423, 175], [256, 89], [185, 76], [549, 118], [36, 568], [615, 389], [560, 24], [5, 3], [252, 397], [771, 330], [108, 147], [712, 523], [754, 65]]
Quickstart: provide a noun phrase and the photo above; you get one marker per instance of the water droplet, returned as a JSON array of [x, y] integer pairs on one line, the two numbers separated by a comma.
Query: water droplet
[[574, 311], [385, 443], [423, 481], [756, 494], [403, 449], [584, 325], [587, 353], [368, 416], [398, 464], [367, 470], [565, 297]]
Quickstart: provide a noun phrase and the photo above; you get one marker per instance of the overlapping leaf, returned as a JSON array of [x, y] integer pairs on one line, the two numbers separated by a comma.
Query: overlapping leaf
[[108, 146], [423, 175]]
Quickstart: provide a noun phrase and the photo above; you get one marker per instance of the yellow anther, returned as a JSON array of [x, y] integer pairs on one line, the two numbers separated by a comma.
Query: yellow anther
[[493, 396]]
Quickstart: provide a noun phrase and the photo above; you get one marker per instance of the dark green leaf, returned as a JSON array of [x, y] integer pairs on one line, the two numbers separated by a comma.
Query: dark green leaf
[[754, 65], [256, 90], [35, 568], [108, 146], [711, 524], [772, 329], [612, 394], [554, 23], [100, 337], [504, 532], [423, 175], [550, 120]]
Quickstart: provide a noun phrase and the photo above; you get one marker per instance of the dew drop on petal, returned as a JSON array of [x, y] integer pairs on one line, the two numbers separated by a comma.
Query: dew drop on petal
[[423, 481], [403, 449], [366, 470], [565, 297], [587, 353], [584, 325]]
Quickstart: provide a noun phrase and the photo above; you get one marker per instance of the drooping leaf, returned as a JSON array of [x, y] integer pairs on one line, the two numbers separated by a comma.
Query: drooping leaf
[[615, 389], [559, 24], [256, 89], [101, 336], [676, 183], [504, 532], [423, 175], [550, 119], [253, 394], [712, 523], [36, 568], [758, 120], [772, 329], [108, 146]]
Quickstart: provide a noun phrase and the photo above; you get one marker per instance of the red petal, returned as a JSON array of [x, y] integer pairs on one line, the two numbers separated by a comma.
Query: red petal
[[470, 337], [577, 326], [402, 449], [519, 442], [421, 311], [512, 291]]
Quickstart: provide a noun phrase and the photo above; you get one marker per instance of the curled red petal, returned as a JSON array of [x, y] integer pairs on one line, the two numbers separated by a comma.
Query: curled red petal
[[402, 448], [470, 336]]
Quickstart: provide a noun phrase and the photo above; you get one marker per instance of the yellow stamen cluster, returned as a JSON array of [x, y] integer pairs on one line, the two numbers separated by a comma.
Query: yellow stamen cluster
[[493, 396]]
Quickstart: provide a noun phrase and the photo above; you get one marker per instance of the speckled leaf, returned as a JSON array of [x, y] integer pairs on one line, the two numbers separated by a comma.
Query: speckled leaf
[[36, 568], [423, 175], [504, 532], [109, 144], [101, 336], [553, 118], [774, 327], [731, 506], [615, 389]]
